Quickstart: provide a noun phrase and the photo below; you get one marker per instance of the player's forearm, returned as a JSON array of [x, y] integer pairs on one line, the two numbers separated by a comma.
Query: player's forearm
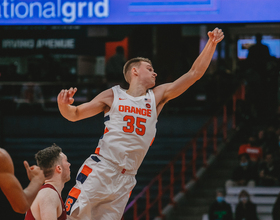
[[68, 111], [32, 189], [18, 200], [25, 197], [20, 207], [202, 62]]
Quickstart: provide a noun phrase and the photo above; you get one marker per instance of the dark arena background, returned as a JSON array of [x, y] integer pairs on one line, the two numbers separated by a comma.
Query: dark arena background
[[50, 45]]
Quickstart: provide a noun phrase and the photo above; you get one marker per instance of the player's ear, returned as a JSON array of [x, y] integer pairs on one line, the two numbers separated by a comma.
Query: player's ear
[[134, 71], [58, 168]]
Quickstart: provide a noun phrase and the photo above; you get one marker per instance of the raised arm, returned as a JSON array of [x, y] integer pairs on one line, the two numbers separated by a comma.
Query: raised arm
[[166, 92], [19, 199], [101, 102]]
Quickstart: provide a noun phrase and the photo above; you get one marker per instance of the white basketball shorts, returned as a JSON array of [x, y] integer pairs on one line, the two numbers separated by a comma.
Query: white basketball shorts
[[101, 192]]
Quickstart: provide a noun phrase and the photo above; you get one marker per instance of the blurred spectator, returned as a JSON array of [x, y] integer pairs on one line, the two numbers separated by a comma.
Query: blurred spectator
[[245, 209], [258, 56], [114, 67], [220, 209], [257, 75], [269, 171], [31, 97], [276, 209], [255, 152], [245, 174]]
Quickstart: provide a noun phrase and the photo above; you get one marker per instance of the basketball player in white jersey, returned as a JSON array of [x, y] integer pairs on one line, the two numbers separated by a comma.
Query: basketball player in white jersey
[[107, 177]]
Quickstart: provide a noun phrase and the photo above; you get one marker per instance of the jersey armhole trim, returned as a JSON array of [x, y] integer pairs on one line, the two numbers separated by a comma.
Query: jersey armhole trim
[[114, 89], [154, 100]]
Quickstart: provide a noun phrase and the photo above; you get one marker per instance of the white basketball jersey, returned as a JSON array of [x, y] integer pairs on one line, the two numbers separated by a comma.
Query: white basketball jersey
[[130, 128]]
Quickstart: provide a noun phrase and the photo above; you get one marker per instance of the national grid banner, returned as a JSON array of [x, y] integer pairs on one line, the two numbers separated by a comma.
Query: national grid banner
[[95, 12], [56, 12]]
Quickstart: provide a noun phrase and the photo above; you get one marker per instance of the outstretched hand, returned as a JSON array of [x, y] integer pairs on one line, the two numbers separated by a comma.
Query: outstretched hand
[[34, 172], [217, 35], [66, 96]]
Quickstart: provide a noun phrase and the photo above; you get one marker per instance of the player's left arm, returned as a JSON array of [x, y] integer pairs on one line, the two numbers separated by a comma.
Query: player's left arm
[[166, 92]]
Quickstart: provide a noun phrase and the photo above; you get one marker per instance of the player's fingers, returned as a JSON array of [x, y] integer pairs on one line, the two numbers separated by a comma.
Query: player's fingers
[[219, 35], [65, 92], [220, 38], [70, 91], [71, 100], [73, 91], [210, 33], [26, 165], [218, 31]]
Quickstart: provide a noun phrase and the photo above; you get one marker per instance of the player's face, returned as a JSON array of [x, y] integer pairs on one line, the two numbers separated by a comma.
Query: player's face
[[147, 74], [65, 168]]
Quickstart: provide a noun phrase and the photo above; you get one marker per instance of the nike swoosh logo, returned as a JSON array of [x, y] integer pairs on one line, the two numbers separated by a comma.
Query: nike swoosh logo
[[121, 99]]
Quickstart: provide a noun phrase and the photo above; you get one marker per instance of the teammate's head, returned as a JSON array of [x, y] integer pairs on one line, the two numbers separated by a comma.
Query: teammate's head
[[52, 158], [134, 62]]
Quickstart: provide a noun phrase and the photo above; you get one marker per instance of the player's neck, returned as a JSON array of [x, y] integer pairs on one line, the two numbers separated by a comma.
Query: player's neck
[[58, 185], [136, 90]]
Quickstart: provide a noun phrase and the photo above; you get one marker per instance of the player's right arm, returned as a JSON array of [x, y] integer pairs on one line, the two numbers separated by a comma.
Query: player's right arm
[[19, 199], [101, 102]]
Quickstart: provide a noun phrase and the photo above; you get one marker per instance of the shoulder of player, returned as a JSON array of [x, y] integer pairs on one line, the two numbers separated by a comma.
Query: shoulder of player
[[107, 97], [106, 94], [48, 195], [159, 92], [6, 163], [3, 154]]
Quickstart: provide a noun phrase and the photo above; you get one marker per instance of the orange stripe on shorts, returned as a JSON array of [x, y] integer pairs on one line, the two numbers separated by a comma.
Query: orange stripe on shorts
[[86, 170], [74, 192], [97, 150], [106, 130]]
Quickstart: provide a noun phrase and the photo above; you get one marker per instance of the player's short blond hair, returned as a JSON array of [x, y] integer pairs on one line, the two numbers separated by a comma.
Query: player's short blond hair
[[132, 63]]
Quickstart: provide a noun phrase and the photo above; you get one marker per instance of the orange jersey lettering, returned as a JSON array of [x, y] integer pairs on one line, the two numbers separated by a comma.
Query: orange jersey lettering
[[138, 111]]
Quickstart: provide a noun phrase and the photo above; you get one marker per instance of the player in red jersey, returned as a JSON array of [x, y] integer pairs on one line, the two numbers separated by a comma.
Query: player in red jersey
[[48, 203]]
